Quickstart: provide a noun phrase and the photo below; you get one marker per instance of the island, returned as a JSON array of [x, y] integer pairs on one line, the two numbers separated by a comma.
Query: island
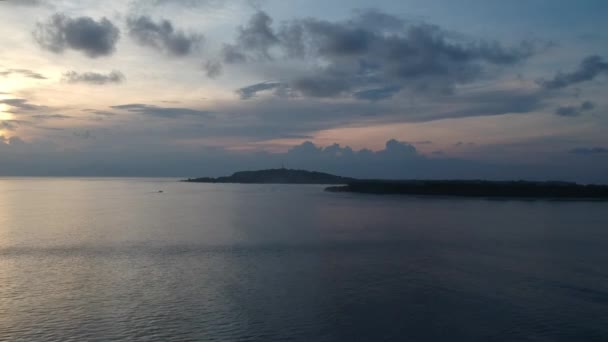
[[461, 188], [276, 176], [477, 188]]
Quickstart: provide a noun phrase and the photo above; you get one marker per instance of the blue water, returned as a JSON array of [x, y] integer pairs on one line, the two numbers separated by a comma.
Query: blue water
[[114, 260]]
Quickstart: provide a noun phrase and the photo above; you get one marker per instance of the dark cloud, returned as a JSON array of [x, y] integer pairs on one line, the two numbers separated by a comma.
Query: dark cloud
[[100, 115], [91, 37], [487, 103], [251, 91], [9, 125], [378, 20], [163, 112], [377, 94], [322, 85], [274, 117], [213, 69], [371, 56], [12, 125], [568, 111], [589, 150], [590, 68], [257, 37], [575, 110], [232, 55], [50, 116], [94, 77], [587, 105], [22, 105], [23, 72], [142, 4], [163, 36], [86, 135]]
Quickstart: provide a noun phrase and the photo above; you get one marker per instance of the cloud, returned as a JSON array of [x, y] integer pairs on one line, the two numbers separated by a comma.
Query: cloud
[[485, 103], [23, 72], [137, 153], [257, 36], [251, 91], [590, 68], [232, 54], [163, 36], [94, 77], [275, 117], [587, 105], [103, 113], [575, 111], [50, 116], [84, 34], [24, 2], [586, 151], [371, 56], [163, 112], [12, 125], [377, 94], [141, 4], [9, 125], [213, 69], [22, 105]]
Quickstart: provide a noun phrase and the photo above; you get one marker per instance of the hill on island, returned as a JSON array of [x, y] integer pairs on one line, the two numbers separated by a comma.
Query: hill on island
[[276, 176]]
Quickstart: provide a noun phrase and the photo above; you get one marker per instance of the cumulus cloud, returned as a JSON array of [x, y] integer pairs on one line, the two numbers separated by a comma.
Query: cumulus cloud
[[163, 36], [371, 56], [163, 112], [575, 110], [84, 34], [94, 77], [257, 36], [590, 68], [22, 72], [394, 151]]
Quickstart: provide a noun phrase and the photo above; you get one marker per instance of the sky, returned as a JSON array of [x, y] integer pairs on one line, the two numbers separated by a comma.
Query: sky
[[377, 89]]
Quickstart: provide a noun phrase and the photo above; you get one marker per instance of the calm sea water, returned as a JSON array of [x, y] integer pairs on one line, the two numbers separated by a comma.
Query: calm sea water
[[114, 260]]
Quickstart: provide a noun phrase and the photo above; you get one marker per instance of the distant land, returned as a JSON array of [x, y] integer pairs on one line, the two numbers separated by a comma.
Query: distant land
[[462, 188], [276, 176], [477, 188]]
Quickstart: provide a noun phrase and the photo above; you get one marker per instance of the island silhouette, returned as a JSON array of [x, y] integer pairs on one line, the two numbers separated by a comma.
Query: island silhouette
[[462, 188], [277, 176]]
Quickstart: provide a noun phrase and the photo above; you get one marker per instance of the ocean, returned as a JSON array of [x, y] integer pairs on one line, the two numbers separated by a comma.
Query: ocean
[[113, 259]]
